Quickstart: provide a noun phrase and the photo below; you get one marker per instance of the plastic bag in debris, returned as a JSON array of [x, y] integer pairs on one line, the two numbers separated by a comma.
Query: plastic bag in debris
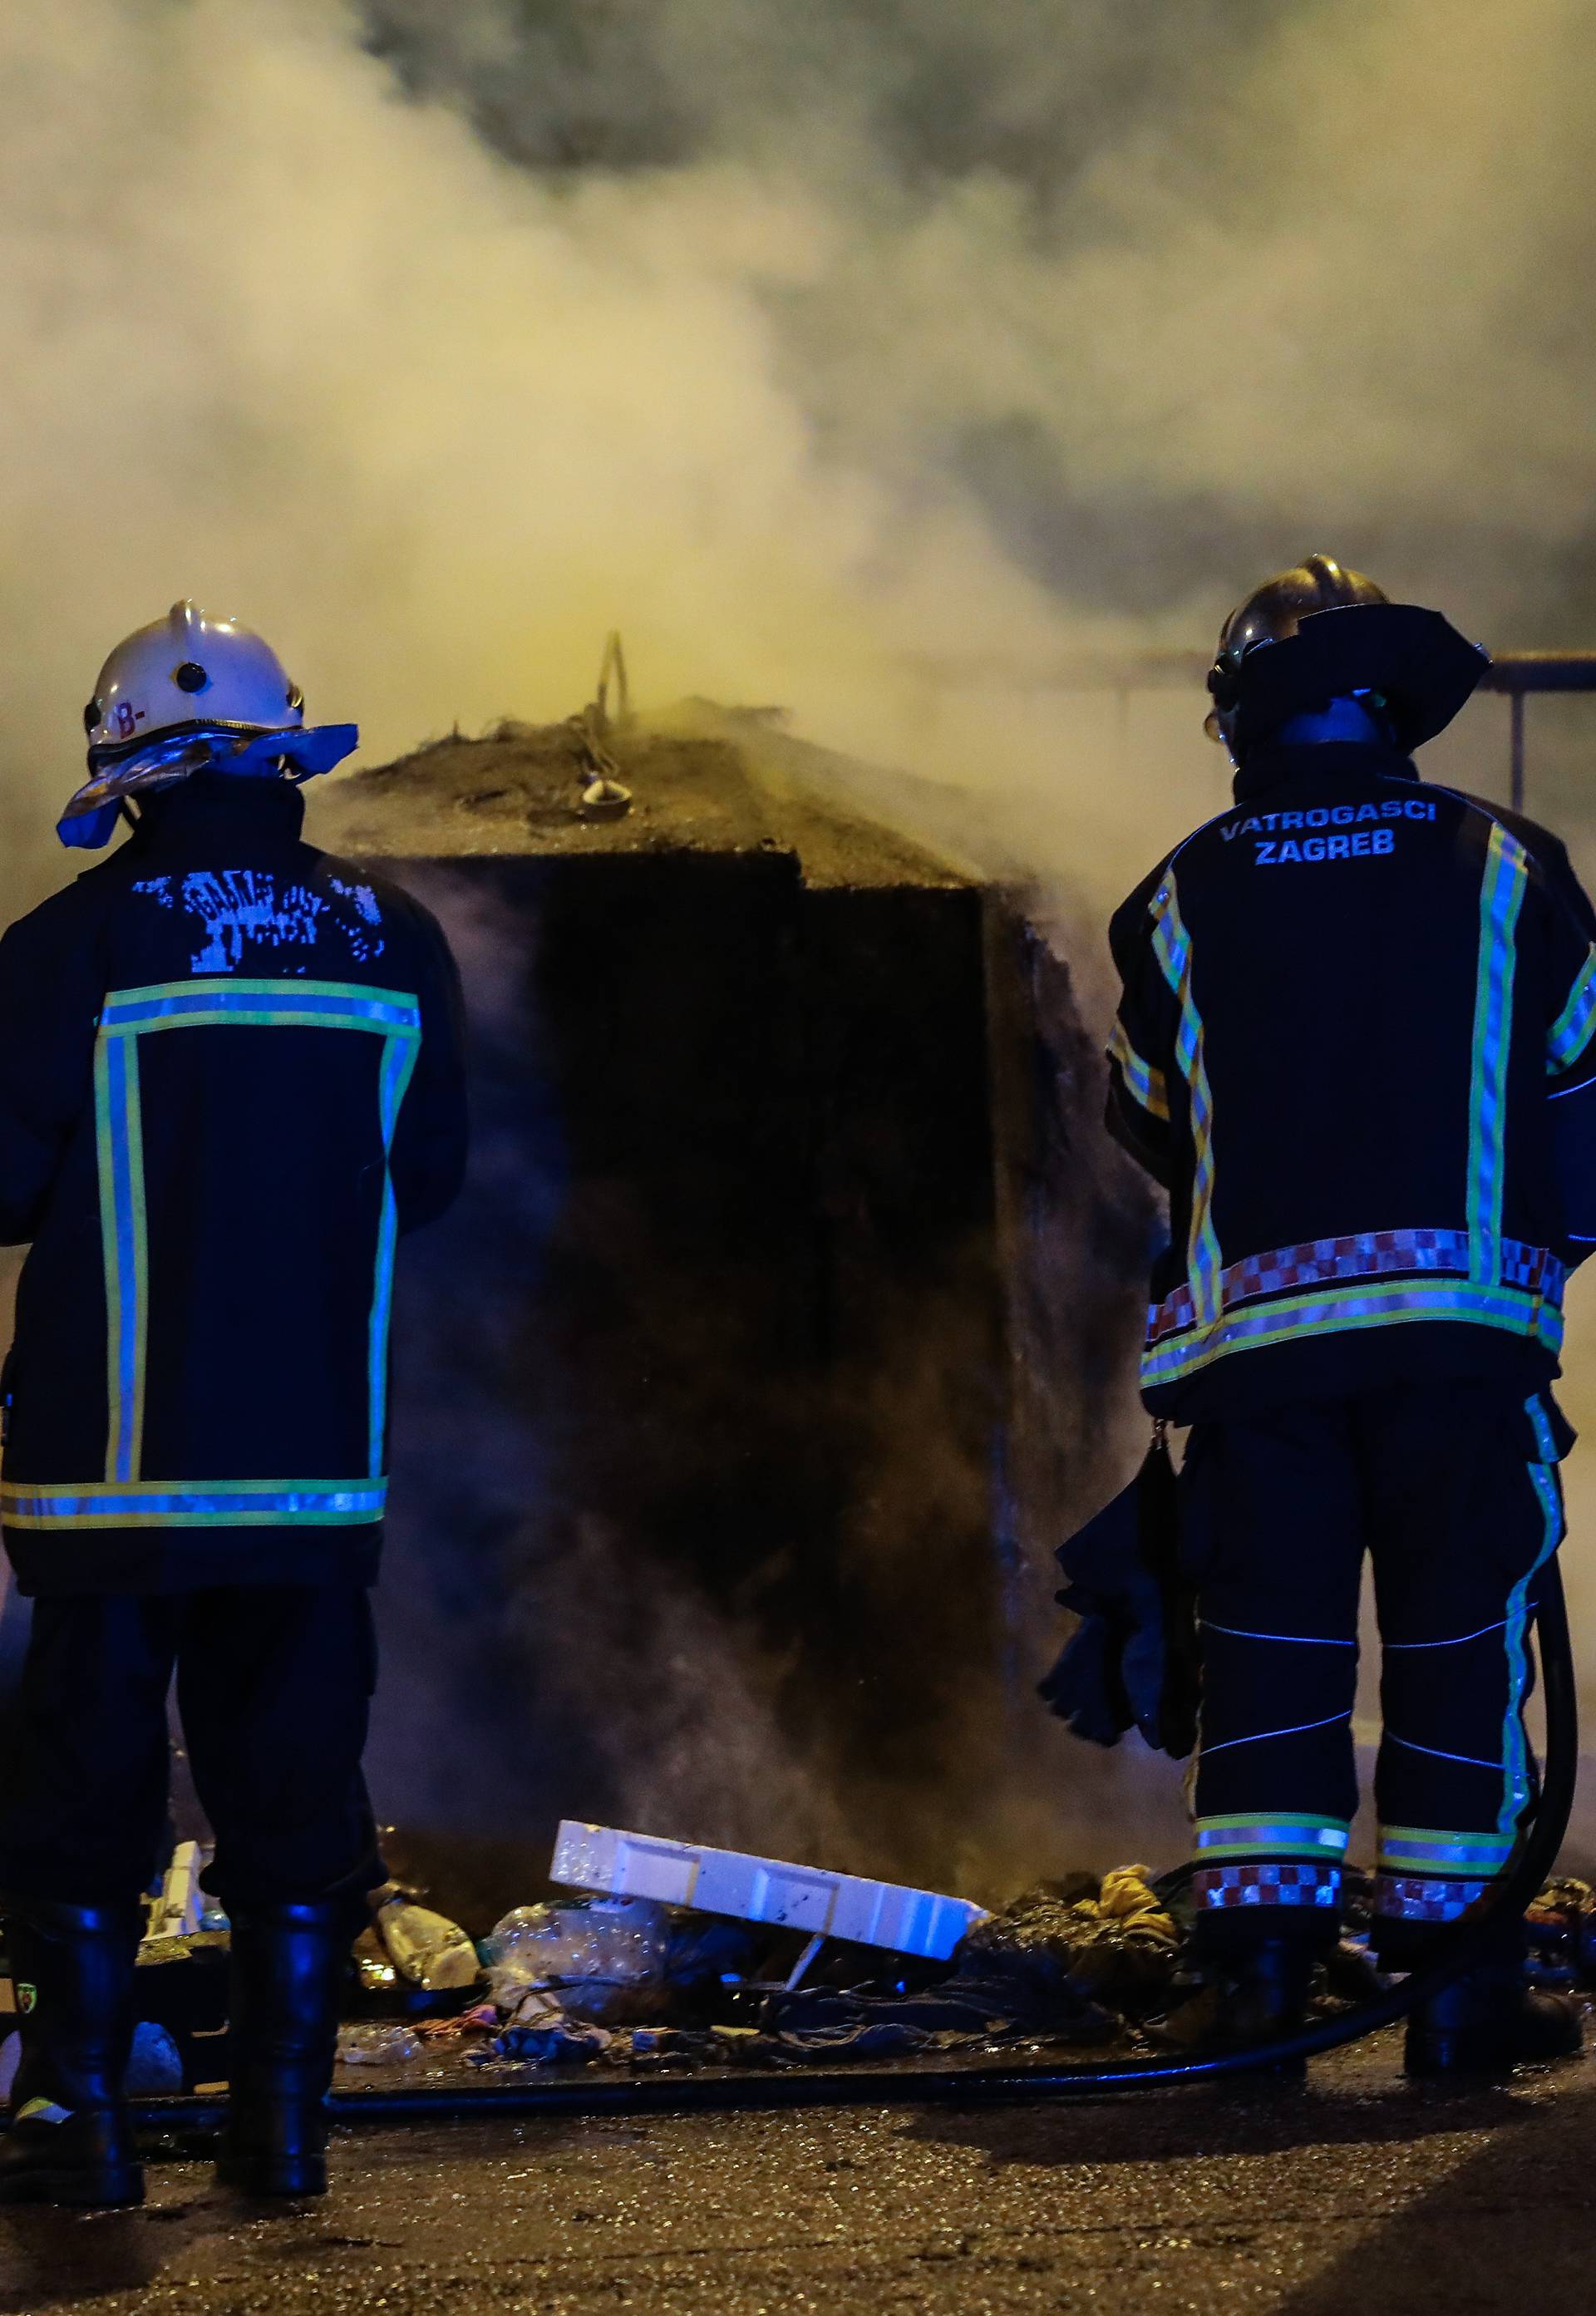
[[606, 1961], [560, 2043], [376, 2045], [155, 2064], [1057, 1946], [707, 1952], [426, 1949]]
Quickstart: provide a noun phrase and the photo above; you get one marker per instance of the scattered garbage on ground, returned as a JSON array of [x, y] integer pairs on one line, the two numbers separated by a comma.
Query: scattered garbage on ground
[[615, 1977]]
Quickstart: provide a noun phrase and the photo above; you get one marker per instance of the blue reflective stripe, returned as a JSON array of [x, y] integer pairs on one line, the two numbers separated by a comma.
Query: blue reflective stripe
[[206, 1003], [1292, 1640], [1501, 896], [1172, 946], [1518, 1784], [1277, 1834], [1570, 1032], [1262, 1736], [119, 1140], [1454, 1640], [1469, 1760], [203, 1002], [399, 1059], [207, 1503], [1404, 1848], [1513, 1309]]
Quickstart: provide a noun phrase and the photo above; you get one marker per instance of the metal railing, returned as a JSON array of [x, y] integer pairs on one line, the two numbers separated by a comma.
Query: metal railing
[[1516, 673], [1519, 673]]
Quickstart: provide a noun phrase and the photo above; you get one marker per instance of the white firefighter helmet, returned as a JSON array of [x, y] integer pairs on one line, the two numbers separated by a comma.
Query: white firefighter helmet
[[190, 694], [188, 672]]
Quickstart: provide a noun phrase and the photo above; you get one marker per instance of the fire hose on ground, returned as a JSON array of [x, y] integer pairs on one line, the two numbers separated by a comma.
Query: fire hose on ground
[[1540, 1836]]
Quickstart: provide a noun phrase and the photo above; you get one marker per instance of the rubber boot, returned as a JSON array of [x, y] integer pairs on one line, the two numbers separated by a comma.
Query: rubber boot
[[1257, 1991], [1264, 1993], [69, 2140], [282, 2036], [1488, 2021]]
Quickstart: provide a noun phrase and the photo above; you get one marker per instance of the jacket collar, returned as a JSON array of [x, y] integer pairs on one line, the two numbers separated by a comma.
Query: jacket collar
[[1335, 760], [222, 810]]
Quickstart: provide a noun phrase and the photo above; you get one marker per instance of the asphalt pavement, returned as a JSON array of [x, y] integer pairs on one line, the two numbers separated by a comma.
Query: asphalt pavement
[[1355, 2189]]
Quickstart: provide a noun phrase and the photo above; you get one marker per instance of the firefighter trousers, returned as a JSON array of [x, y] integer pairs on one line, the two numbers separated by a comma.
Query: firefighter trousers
[[274, 1686], [1453, 1490]]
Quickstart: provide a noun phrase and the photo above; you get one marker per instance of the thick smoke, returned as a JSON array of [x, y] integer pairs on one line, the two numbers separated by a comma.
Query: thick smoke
[[872, 359], [878, 357]]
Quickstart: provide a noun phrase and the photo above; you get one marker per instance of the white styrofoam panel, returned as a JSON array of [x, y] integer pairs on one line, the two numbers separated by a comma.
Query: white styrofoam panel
[[761, 1890]]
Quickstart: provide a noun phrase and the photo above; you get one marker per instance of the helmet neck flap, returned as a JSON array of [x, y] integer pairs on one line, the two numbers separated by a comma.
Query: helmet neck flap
[[1321, 634]]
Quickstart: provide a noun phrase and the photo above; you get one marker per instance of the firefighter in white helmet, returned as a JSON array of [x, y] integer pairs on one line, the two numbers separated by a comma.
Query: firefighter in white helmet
[[229, 1076], [185, 694]]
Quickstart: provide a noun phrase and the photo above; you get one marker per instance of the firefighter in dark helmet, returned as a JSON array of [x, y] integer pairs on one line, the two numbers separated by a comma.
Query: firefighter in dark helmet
[[1357, 1024], [229, 1077]]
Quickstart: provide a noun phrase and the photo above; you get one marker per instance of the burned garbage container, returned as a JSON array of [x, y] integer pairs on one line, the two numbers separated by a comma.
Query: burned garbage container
[[736, 1394]]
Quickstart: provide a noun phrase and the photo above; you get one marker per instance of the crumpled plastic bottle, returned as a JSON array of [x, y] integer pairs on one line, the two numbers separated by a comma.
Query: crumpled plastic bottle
[[374, 2044], [605, 1961], [426, 1949]]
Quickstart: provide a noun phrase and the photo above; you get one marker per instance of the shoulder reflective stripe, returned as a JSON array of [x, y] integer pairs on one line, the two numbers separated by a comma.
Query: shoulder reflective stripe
[[206, 1503], [124, 1248], [1426, 1850], [1570, 1033], [399, 1059], [1339, 1311], [1363, 1255], [1172, 946], [1501, 895], [217, 1001], [1143, 1082]]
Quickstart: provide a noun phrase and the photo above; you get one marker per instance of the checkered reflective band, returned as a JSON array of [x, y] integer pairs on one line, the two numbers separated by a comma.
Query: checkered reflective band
[[1365, 1254], [1407, 1898], [1213, 1886]]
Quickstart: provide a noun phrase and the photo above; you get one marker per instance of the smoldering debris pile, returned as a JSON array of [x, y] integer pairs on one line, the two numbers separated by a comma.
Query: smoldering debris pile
[[632, 1982], [629, 1984]]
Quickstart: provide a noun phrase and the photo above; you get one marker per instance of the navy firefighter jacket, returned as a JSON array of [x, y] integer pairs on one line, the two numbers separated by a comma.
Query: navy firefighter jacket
[[1350, 1006], [230, 1075]]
